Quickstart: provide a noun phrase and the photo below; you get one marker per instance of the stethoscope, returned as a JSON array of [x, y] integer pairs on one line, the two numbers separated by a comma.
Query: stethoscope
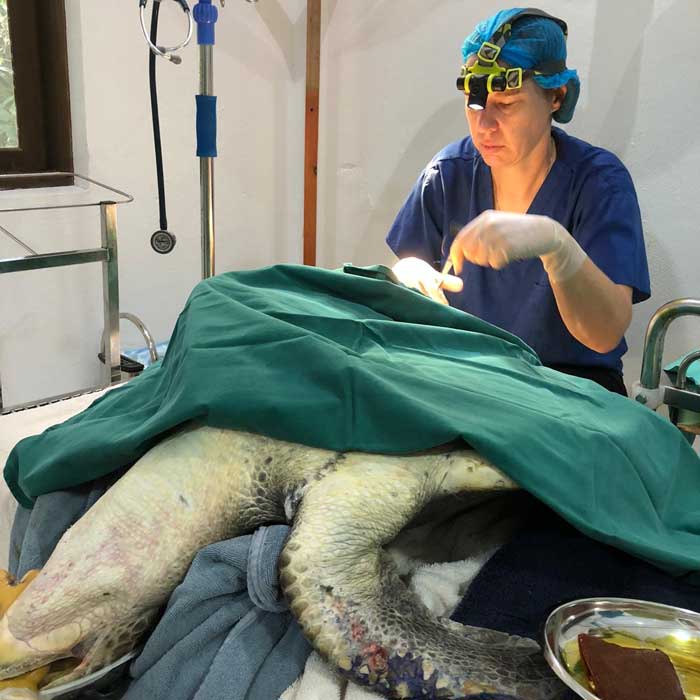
[[162, 240], [168, 52]]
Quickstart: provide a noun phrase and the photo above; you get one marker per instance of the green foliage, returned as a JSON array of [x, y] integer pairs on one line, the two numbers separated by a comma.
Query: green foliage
[[8, 111]]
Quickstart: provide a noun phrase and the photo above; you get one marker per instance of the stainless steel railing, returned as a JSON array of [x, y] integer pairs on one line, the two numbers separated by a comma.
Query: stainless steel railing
[[106, 254]]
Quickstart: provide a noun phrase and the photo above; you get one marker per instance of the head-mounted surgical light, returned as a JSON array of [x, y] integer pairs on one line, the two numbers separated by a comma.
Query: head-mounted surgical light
[[485, 76], [477, 83]]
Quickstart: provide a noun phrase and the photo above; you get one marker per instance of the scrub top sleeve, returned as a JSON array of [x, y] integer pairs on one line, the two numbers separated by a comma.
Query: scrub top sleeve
[[416, 231], [608, 226]]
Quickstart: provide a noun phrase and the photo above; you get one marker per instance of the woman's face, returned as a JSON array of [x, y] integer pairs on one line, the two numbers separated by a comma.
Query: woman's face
[[513, 123]]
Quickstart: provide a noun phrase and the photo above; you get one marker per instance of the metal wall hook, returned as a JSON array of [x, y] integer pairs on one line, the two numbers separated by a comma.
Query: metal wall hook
[[684, 366], [656, 334], [141, 327]]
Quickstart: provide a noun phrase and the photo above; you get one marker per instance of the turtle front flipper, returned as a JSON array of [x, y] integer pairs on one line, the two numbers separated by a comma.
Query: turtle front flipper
[[10, 589], [113, 643], [361, 617]]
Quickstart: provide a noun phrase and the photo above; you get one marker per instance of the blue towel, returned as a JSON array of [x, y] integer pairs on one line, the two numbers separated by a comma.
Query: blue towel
[[225, 634], [143, 355], [549, 563]]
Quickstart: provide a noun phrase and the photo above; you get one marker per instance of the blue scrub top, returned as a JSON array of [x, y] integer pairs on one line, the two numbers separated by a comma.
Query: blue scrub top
[[588, 191]]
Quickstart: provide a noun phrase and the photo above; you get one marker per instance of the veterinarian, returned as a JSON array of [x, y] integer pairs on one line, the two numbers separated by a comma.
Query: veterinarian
[[543, 230]]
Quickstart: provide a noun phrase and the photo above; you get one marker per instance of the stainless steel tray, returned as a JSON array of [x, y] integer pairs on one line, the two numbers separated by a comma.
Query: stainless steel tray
[[631, 623]]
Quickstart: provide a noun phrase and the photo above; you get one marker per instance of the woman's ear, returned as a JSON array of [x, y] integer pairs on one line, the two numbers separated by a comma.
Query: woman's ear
[[558, 95]]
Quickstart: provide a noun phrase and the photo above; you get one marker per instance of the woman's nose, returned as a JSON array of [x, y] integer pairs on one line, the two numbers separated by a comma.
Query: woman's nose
[[486, 118]]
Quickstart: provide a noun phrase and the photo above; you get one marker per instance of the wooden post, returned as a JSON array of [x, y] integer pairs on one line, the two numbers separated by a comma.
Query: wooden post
[[313, 79]]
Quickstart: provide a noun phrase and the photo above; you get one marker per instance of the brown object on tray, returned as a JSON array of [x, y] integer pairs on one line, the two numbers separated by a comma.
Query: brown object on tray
[[619, 673]]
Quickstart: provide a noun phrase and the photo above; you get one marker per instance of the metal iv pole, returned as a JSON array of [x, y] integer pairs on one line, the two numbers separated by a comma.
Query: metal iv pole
[[205, 15]]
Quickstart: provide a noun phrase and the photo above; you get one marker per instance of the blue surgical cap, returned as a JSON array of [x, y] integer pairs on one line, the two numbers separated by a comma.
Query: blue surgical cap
[[533, 41]]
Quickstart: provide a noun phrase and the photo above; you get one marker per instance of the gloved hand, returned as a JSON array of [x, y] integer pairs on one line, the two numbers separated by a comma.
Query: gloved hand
[[418, 274], [496, 238]]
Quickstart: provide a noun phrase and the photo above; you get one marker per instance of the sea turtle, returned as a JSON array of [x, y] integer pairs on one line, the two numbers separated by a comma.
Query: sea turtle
[[113, 570]]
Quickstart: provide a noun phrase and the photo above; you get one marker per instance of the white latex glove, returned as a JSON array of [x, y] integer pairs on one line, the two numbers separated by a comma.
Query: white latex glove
[[496, 238], [418, 274]]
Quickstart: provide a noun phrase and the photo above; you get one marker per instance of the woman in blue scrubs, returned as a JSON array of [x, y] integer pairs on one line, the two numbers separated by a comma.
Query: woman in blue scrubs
[[543, 229]]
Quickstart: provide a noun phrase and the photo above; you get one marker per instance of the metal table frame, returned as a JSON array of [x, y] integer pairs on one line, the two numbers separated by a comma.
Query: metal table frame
[[107, 254], [649, 390]]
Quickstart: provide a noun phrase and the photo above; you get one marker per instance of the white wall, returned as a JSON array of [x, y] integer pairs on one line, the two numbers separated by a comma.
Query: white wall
[[388, 103]]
